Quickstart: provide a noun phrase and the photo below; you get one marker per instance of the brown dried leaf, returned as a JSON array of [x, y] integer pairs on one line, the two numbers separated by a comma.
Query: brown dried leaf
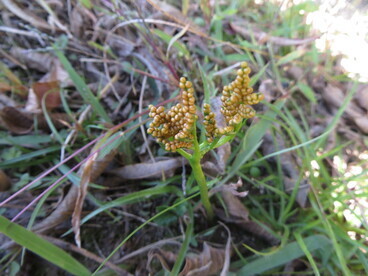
[[335, 96], [82, 191], [25, 15], [209, 262], [15, 120], [5, 181], [166, 258], [50, 90], [90, 171], [235, 207], [362, 123], [148, 170], [362, 97]]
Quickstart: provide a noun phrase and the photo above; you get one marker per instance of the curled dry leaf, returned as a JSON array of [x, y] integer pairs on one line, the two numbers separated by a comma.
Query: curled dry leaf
[[16, 121], [209, 262], [90, 172], [148, 170], [33, 60], [20, 122], [239, 214], [235, 208], [50, 90], [5, 181], [43, 62], [362, 97], [26, 15]]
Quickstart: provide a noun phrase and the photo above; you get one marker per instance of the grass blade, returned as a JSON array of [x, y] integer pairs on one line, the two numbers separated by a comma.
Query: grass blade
[[290, 252], [42, 247]]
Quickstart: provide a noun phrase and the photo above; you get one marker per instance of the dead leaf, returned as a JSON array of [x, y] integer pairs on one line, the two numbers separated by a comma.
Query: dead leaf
[[82, 191], [235, 207], [209, 262], [90, 171], [295, 72], [50, 90], [15, 120], [26, 15], [239, 214], [362, 97], [5, 181], [362, 123], [148, 170], [335, 97]]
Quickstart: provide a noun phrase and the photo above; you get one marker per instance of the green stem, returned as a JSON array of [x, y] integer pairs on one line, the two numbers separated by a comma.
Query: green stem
[[201, 181], [195, 163]]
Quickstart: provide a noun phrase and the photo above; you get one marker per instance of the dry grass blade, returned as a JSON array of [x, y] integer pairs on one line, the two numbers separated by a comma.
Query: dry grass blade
[[15, 120], [26, 15]]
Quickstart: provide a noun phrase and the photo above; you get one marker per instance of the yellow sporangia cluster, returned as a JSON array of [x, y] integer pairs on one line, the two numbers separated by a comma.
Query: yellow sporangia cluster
[[176, 123], [236, 100], [174, 127]]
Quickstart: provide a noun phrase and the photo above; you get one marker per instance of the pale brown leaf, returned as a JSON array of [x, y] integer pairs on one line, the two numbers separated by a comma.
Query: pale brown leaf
[[235, 208], [362, 123], [362, 97], [5, 181], [90, 171], [82, 191], [16, 121], [209, 262], [148, 170], [50, 90], [26, 15]]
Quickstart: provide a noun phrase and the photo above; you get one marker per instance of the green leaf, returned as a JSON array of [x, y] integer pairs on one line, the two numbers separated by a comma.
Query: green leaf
[[86, 3], [41, 247], [288, 253], [290, 57], [307, 91]]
